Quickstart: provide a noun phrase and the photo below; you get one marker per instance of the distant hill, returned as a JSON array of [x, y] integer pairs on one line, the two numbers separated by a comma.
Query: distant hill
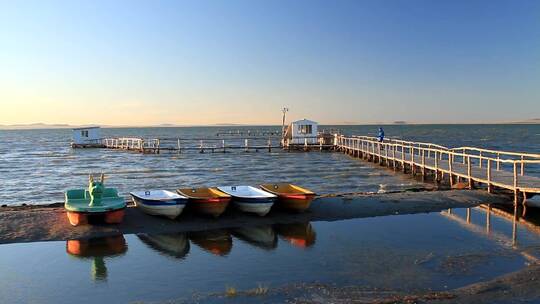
[[40, 125], [36, 126], [528, 121]]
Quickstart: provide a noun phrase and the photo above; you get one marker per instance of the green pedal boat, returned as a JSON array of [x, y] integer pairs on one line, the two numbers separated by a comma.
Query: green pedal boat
[[94, 201]]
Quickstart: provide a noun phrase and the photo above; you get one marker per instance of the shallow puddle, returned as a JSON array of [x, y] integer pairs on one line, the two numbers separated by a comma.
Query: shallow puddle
[[408, 253]]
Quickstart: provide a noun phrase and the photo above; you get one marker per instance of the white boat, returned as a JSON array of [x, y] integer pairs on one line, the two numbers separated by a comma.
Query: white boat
[[250, 199], [159, 202]]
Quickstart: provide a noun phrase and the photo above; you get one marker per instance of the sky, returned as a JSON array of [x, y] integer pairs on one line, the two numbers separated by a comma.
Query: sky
[[213, 62]]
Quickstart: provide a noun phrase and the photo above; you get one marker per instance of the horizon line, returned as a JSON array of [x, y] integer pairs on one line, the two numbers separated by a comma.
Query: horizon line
[[44, 126]]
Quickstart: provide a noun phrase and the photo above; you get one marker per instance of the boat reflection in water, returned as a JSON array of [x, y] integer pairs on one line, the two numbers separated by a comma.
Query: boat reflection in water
[[177, 245], [259, 236], [218, 241], [97, 249], [301, 235], [174, 245]]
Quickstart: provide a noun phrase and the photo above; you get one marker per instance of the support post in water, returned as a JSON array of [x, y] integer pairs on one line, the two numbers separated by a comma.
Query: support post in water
[[469, 172], [423, 164], [436, 167], [516, 190], [451, 172], [488, 175], [412, 161]]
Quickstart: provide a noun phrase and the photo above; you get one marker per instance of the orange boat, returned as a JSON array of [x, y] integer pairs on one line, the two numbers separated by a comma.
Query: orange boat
[[290, 196], [208, 201]]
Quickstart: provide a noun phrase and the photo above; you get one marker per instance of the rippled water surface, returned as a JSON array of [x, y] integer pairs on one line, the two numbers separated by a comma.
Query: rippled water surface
[[408, 253], [38, 165]]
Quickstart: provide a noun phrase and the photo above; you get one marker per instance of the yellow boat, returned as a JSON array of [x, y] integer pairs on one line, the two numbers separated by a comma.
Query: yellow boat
[[290, 196], [209, 201]]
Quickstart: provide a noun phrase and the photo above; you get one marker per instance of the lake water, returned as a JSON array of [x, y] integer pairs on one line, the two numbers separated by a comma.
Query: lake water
[[404, 253], [38, 165]]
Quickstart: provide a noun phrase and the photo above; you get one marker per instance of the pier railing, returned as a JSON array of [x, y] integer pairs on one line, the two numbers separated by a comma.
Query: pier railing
[[179, 145], [493, 168]]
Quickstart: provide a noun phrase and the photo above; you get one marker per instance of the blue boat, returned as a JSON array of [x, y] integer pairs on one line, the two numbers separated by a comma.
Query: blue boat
[[250, 199], [160, 202]]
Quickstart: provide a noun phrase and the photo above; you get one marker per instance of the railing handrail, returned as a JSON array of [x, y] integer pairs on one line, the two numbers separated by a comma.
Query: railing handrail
[[449, 152], [400, 141], [452, 150], [524, 154], [491, 160]]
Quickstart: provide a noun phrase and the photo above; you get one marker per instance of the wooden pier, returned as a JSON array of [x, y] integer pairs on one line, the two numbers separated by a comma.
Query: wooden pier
[[180, 145], [462, 167], [495, 169], [208, 144]]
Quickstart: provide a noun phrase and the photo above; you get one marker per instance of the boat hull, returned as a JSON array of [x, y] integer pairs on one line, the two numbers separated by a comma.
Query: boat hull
[[206, 201], [167, 208], [250, 199], [258, 206], [82, 218], [212, 206], [295, 202], [289, 196]]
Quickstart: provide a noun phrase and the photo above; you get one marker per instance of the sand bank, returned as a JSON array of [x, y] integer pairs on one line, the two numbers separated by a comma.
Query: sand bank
[[48, 223]]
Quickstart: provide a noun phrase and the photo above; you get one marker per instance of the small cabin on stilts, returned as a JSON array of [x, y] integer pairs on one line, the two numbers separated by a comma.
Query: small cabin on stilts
[[302, 134], [89, 137]]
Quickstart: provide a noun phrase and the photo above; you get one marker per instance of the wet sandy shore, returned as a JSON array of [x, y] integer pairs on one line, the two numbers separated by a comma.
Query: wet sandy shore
[[48, 223]]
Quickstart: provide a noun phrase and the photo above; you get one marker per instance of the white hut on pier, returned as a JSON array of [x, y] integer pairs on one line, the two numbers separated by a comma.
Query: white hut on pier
[[301, 132], [86, 137]]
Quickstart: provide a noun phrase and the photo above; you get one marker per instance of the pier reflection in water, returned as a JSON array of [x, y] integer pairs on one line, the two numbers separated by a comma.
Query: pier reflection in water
[[479, 220], [436, 251]]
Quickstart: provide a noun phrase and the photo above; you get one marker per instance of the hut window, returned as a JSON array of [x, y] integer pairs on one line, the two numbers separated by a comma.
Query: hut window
[[84, 133], [304, 129]]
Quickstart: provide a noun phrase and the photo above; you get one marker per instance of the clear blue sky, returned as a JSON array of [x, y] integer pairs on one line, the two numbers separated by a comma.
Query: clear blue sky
[[205, 62]]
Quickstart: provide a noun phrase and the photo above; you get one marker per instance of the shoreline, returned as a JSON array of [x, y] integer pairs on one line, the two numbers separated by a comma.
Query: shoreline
[[34, 223]]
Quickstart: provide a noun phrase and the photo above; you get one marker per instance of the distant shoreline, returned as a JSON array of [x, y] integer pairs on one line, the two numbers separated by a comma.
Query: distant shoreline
[[66, 126]]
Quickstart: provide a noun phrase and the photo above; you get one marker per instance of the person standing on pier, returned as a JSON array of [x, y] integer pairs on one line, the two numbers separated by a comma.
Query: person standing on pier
[[381, 135]]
